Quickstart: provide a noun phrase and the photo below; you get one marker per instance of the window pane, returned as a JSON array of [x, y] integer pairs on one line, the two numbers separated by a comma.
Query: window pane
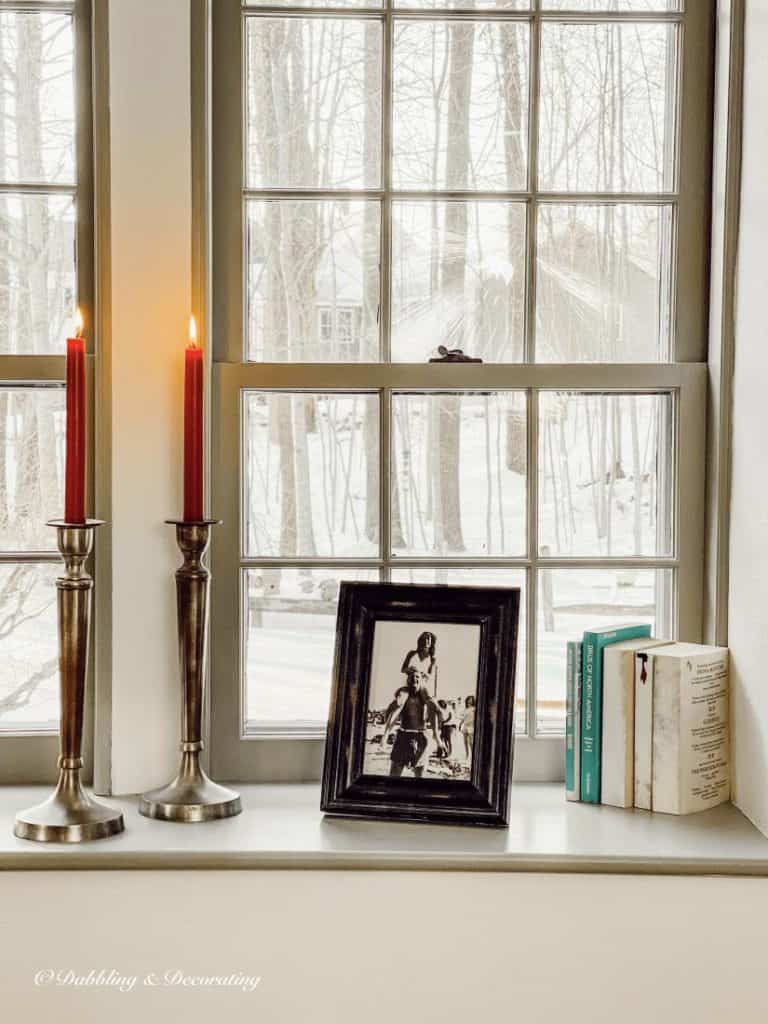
[[605, 474], [571, 601], [311, 474], [482, 578], [603, 292], [312, 3], [37, 113], [607, 108], [458, 279], [290, 634], [29, 682], [313, 281], [459, 475], [37, 273], [612, 5], [313, 116], [466, 5], [460, 105], [31, 466]]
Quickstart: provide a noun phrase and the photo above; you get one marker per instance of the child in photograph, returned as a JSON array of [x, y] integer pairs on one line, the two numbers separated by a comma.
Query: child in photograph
[[448, 728], [421, 663], [415, 711], [467, 727]]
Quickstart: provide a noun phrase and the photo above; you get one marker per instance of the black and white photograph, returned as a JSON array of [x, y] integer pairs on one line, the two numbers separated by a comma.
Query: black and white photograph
[[423, 695], [420, 725]]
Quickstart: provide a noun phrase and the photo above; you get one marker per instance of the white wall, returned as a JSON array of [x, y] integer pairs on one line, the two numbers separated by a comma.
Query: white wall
[[389, 948], [149, 58], [748, 604]]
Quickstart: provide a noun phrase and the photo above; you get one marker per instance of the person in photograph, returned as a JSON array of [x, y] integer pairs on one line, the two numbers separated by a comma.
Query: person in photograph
[[421, 663], [448, 728], [415, 712], [467, 726]]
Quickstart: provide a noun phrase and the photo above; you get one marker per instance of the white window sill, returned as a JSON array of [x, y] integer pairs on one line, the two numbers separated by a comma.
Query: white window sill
[[281, 827]]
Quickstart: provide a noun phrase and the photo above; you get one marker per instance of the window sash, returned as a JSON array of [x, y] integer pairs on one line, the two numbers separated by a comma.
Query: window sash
[[30, 756], [237, 754], [271, 754], [690, 201]]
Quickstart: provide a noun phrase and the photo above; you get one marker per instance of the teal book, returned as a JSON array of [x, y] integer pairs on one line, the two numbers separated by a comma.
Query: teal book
[[595, 642], [573, 721]]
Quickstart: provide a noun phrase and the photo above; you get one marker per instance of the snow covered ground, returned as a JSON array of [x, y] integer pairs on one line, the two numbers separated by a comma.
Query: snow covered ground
[[585, 511], [290, 636], [32, 644], [289, 654]]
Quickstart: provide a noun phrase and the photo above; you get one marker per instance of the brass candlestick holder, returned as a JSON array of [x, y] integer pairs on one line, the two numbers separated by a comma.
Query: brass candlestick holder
[[192, 796], [70, 815]]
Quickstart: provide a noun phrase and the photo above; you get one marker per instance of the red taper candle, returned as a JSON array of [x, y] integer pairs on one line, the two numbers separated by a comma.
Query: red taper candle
[[74, 484], [193, 427]]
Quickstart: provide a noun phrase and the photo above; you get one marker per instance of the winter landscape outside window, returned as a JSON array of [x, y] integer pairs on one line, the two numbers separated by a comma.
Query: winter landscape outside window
[[45, 270], [518, 181]]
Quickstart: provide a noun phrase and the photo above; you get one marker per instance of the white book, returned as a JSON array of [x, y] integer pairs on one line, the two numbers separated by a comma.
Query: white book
[[618, 750], [573, 722], [643, 665], [691, 757]]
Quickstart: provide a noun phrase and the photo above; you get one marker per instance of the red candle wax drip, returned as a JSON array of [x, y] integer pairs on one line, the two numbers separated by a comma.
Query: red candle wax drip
[[74, 485], [193, 429]]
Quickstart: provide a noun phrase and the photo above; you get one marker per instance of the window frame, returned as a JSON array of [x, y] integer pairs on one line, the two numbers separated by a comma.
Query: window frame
[[296, 754], [28, 756]]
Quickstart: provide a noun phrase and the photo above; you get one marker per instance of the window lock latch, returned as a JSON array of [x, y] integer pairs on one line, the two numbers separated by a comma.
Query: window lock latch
[[452, 355]]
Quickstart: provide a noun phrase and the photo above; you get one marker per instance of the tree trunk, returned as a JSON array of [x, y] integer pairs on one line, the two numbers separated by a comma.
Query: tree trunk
[[37, 481], [371, 324], [515, 113], [461, 47]]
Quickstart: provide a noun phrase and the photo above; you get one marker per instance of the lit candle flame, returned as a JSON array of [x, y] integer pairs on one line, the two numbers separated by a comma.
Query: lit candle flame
[[192, 332], [78, 323]]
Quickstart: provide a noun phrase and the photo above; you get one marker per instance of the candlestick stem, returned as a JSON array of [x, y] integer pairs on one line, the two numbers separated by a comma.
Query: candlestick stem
[[70, 815], [192, 796]]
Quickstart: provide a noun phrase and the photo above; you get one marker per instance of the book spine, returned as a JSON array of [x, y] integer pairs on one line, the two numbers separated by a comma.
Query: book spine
[[592, 705], [572, 782], [643, 730], [703, 759], [569, 709], [590, 723], [667, 750], [706, 780], [577, 691], [617, 754]]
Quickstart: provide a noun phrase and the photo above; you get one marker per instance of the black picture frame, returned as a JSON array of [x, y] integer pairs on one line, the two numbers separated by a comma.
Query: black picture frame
[[483, 799]]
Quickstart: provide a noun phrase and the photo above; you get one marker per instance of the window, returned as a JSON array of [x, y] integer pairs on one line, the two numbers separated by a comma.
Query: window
[[45, 269], [523, 181]]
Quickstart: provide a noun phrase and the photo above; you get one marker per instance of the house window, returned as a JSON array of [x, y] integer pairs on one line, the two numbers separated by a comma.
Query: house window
[[514, 180], [326, 326], [44, 212]]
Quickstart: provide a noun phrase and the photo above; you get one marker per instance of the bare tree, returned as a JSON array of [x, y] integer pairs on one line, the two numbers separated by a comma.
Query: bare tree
[[448, 435], [33, 237]]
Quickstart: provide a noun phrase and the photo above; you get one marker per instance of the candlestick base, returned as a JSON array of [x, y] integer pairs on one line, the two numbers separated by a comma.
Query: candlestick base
[[192, 796], [69, 815]]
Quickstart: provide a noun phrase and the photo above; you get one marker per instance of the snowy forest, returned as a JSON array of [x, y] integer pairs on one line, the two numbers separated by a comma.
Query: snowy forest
[[37, 297], [457, 276]]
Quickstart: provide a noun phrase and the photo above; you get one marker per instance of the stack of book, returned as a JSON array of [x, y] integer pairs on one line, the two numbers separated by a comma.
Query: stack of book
[[646, 722]]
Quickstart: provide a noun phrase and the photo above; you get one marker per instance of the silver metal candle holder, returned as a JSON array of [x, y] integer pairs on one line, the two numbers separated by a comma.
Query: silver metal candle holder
[[70, 815], [192, 796]]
